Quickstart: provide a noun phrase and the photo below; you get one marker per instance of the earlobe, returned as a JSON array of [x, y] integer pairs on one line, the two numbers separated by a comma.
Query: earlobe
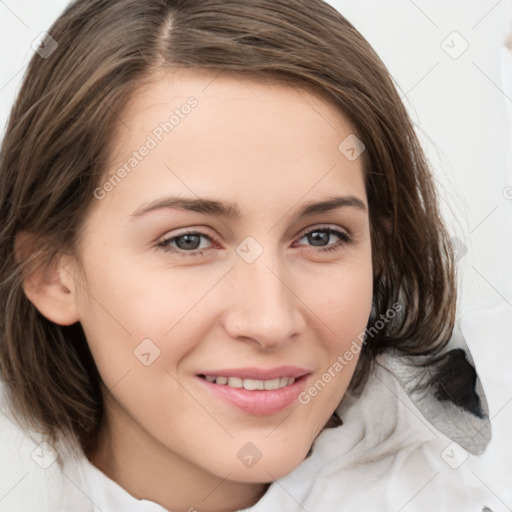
[[51, 289]]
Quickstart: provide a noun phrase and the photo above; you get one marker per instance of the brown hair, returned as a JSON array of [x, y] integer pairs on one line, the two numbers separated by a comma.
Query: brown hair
[[56, 145]]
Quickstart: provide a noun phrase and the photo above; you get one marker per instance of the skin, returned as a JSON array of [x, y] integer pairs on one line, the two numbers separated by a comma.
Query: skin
[[270, 148]]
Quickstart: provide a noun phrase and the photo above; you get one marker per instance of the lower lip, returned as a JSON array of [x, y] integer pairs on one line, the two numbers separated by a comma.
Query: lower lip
[[258, 402]]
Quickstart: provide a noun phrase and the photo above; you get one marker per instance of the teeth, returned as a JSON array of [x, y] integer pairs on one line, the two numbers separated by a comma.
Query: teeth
[[235, 382], [252, 384], [273, 384]]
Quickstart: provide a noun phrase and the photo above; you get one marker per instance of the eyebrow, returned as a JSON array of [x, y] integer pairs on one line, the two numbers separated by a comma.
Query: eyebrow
[[232, 211]]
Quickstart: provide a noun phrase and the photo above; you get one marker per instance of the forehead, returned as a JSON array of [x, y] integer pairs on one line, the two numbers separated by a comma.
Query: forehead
[[230, 102], [229, 85], [226, 135]]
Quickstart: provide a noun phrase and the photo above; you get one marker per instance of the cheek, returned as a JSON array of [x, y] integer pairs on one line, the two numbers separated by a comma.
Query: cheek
[[134, 316], [341, 304], [341, 298]]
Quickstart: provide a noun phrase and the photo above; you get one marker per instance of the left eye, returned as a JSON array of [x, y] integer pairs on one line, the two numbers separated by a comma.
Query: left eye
[[188, 244], [323, 234]]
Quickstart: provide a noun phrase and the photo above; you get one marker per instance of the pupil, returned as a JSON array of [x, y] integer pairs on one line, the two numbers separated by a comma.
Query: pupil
[[318, 236], [189, 240]]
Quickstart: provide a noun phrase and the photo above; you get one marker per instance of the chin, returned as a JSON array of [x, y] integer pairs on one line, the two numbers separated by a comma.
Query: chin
[[270, 468]]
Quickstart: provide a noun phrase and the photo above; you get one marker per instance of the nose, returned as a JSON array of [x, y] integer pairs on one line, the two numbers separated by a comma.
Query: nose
[[263, 307]]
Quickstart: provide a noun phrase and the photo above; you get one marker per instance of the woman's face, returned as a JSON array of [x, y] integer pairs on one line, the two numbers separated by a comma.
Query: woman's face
[[267, 288]]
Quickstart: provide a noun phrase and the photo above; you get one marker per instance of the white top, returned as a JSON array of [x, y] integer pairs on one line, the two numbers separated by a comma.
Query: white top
[[107, 495]]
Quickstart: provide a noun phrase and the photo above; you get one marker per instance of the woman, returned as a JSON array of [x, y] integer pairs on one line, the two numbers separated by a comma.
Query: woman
[[163, 334]]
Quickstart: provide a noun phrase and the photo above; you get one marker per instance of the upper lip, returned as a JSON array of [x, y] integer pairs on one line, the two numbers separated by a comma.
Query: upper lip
[[258, 373]]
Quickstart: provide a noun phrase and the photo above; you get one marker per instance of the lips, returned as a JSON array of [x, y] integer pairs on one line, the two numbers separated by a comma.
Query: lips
[[256, 390]]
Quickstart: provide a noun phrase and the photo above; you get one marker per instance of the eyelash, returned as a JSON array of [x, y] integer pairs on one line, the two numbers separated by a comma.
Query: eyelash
[[345, 239]]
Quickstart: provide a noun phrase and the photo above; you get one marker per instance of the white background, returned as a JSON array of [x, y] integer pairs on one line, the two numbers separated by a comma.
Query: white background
[[460, 107]]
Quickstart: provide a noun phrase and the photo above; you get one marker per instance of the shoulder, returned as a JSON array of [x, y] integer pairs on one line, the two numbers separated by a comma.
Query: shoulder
[[437, 474], [34, 474]]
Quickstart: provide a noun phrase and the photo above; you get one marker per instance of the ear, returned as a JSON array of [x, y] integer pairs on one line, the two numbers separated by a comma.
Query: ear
[[52, 289]]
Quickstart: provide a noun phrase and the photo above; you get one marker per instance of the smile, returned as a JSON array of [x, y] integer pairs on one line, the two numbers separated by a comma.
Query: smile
[[256, 391]]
